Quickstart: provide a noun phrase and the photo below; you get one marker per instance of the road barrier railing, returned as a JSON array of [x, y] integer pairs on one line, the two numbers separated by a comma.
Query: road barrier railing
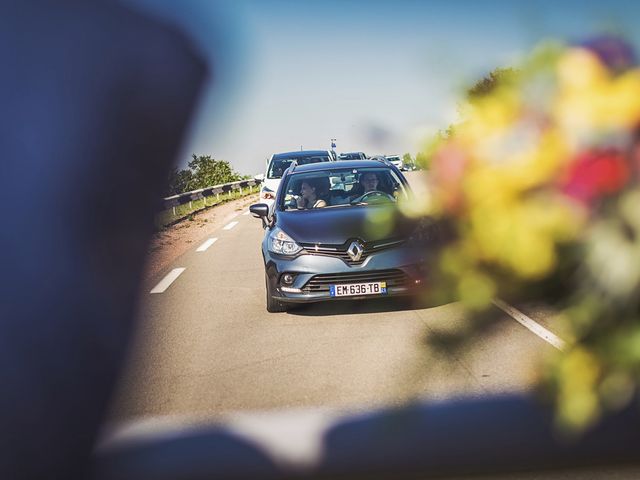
[[176, 208], [202, 193]]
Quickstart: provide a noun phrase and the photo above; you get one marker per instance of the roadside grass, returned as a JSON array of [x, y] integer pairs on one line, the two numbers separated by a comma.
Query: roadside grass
[[187, 212]]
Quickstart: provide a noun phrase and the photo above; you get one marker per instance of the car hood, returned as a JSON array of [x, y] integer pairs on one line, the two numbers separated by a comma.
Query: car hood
[[337, 225]]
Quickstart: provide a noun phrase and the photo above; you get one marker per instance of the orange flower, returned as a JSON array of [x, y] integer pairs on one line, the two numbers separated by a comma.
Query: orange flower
[[447, 171]]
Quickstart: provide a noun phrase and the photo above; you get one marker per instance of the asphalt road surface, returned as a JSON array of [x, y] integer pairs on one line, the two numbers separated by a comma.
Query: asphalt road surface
[[206, 345]]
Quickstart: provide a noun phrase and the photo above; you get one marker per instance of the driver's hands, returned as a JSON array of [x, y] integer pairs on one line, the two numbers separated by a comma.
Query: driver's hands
[[374, 196]]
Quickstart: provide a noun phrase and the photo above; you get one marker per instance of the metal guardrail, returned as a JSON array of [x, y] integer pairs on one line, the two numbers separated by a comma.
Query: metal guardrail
[[183, 198]]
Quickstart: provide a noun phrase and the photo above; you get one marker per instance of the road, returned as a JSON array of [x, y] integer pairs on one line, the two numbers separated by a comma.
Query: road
[[206, 345]]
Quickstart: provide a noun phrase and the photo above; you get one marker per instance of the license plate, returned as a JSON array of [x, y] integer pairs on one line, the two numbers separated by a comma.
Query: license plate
[[351, 289]]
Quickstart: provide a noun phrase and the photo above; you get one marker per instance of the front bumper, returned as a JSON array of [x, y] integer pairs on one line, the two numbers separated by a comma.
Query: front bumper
[[404, 269]]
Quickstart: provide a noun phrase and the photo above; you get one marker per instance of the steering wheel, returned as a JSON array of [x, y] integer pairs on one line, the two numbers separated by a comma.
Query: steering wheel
[[373, 195]]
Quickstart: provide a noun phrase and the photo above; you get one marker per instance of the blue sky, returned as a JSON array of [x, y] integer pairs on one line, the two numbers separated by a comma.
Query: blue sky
[[376, 75]]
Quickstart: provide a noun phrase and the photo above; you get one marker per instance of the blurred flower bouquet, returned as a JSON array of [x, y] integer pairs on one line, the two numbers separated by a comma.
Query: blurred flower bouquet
[[538, 188]]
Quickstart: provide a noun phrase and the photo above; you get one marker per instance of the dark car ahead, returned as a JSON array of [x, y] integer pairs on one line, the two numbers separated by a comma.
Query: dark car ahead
[[352, 156], [355, 244]]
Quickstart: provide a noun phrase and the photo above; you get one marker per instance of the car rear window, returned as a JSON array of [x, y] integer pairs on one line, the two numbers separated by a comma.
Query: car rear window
[[279, 165]]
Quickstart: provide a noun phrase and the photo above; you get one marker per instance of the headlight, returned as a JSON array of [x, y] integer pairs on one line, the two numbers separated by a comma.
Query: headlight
[[267, 194], [282, 244]]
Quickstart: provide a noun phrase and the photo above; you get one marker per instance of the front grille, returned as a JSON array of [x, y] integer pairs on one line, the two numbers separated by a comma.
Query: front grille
[[340, 251], [320, 283]]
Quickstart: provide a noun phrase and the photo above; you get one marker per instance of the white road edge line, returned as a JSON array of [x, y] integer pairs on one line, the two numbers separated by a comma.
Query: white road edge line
[[207, 244], [246, 213], [167, 280], [530, 324], [229, 226]]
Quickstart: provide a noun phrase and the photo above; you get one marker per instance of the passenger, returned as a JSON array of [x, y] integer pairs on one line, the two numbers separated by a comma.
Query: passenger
[[310, 195], [277, 172]]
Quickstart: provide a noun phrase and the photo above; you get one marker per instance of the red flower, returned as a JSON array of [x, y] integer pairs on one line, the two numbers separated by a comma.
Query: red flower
[[447, 171], [596, 173]]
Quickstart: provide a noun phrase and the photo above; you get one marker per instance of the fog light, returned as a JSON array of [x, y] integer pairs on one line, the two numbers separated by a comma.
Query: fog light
[[287, 279], [418, 281], [290, 290]]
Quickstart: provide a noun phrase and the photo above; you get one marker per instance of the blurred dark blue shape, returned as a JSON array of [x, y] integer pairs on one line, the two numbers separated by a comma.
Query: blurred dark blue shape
[[200, 454], [94, 102], [430, 440]]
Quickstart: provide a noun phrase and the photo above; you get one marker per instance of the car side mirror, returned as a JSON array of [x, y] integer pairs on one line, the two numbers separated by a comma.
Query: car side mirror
[[261, 211], [259, 178]]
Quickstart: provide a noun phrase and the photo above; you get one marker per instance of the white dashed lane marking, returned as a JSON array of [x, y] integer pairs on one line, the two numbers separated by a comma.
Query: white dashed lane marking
[[246, 213], [229, 226], [207, 244], [531, 324], [167, 280]]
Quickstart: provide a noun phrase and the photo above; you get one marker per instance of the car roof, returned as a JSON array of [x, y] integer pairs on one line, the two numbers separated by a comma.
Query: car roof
[[314, 167], [300, 153]]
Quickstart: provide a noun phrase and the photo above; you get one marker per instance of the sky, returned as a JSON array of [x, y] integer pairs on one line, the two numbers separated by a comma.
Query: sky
[[378, 76]]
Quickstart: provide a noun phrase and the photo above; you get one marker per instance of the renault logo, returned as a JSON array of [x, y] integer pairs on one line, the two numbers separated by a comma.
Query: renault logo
[[355, 251]]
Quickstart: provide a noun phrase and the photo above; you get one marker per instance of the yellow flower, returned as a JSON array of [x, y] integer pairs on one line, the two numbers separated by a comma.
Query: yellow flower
[[476, 290], [577, 397], [521, 234], [590, 98], [613, 258], [579, 69], [489, 116]]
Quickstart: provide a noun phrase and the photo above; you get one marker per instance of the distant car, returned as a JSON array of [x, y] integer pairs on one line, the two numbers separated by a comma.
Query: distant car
[[397, 161], [352, 156], [279, 162], [336, 251]]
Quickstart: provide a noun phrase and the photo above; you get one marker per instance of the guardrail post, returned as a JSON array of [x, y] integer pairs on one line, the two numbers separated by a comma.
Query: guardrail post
[[190, 205], [174, 211], [240, 191]]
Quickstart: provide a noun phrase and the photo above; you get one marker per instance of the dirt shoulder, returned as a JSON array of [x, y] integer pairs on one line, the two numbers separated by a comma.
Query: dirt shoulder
[[172, 242]]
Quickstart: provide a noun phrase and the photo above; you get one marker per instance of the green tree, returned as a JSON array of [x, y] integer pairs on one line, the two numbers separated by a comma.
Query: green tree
[[207, 171], [422, 161], [497, 77], [407, 159], [180, 181], [202, 171]]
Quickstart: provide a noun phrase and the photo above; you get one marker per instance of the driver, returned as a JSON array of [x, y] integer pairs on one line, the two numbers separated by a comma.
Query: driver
[[369, 190], [369, 182]]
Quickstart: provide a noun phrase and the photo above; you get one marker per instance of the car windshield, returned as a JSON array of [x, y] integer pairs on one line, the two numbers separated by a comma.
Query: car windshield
[[280, 164], [350, 156], [342, 188]]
